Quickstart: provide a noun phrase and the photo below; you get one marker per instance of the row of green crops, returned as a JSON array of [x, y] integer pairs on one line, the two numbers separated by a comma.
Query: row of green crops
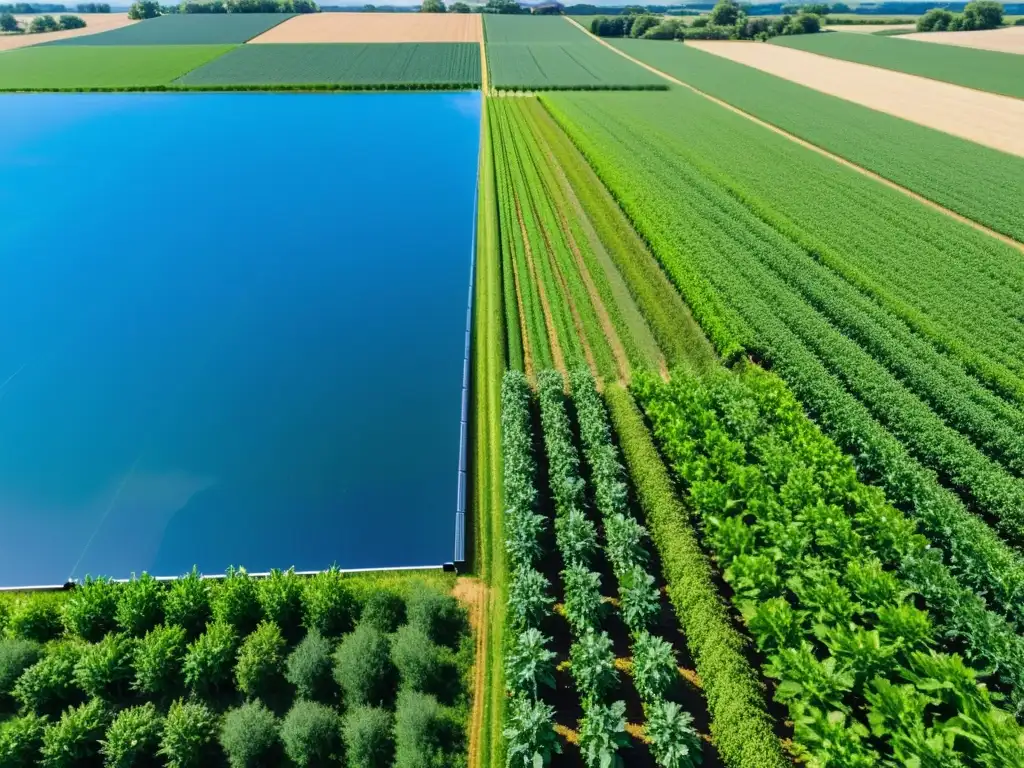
[[825, 574], [761, 279], [993, 71], [530, 662], [525, 53], [184, 29], [327, 670], [977, 182]]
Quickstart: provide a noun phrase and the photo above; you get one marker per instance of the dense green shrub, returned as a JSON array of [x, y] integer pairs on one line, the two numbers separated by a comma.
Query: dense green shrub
[[328, 604], [363, 668], [420, 732], [311, 734], [158, 662], [74, 741], [20, 741], [418, 659], [309, 668], [187, 604], [369, 737], [35, 618], [189, 736], [48, 686], [438, 614], [140, 607], [260, 667], [90, 610], [236, 601], [280, 596], [384, 610], [210, 660], [133, 738], [249, 736], [70, 22], [104, 669], [16, 656], [44, 23]]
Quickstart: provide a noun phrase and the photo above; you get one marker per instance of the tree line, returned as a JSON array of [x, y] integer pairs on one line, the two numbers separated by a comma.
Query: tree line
[[980, 14], [39, 24], [148, 9], [728, 20]]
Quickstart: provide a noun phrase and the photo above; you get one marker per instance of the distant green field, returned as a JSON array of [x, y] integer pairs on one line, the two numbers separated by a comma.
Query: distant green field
[[370, 64], [101, 67], [980, 183], [984, 70], [526, 53], [185, 29]]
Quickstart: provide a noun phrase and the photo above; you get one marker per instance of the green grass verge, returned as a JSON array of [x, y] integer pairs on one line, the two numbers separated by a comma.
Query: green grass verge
[[977, 182], [384, 65], [102, 67], [983, 70], [185, 29]]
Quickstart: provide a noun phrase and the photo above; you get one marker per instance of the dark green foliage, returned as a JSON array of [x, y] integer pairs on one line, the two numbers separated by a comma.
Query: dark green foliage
[[364, 670], [189, 736], [530, 733], [70, 22], [309, 668], [90, 610], [44, 23], [328, 604], [74, 741], [419, 660], [280, 596], [133, 738], [420, 732], [260, 667], [529, 663], [249, 736], [35, 618], [210, 660], [15, 657], [655, 668], [183, 29], [384, 610], [236, 601], [187, 603], [140, 606], [593, 666], [20, 741], [104, 669], [158, 662], [8, 23], [311, 734], [603, 734], [437, 614], [48, 686], [369, 737]]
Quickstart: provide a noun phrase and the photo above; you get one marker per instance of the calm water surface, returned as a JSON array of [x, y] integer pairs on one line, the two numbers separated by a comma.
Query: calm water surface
[[232, 330]]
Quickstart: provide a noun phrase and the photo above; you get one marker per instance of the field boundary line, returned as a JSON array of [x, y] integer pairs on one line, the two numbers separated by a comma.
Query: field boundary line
[[814, 147]]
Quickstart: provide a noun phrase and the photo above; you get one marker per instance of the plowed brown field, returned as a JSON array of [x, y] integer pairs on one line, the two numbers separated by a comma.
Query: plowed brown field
[[94, 22], [376, 28]]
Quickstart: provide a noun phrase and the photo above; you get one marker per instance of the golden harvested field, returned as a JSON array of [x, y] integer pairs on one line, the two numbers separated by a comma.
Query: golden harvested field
[[1006, 40], [94, 22], [867, 29], [985, 118], [376, 28]]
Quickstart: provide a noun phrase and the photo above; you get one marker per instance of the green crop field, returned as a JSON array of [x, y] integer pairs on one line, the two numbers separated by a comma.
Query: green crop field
[[1001, 73], [525, 53], [373, 64], [980, 183], [101, 67], [185, 29]]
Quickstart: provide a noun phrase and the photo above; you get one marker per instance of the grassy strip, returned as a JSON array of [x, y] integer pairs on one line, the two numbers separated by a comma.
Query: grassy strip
[[740, 726], [278, 87], [548, 87]]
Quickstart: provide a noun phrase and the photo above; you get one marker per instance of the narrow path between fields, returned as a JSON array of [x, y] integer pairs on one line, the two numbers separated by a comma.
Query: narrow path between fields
[[824, 152], [474, 594]]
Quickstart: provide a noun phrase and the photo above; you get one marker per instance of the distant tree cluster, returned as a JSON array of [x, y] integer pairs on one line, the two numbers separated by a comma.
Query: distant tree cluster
[[147, 9], [728, 20], [40, 24], [32, 8], [980, 14], [93, 8], [504, 7]]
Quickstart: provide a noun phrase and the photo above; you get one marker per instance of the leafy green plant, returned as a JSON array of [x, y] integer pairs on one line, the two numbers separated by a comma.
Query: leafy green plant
[[655, 670], [674, 742], [384, 610], [603, 734], [48, 686], [822, 684], [140, 606], [260, 667], [75, 740], [640, 600], [91, 608], [363, 668], [529, 663], [438, 614], [189, 736], [16, 655], [577, 537], [311, 734], [420, 731], [280, 597], [529, 600], [21, 739], [210, 660], [369, 737], [329, 606], [236, 601], [158, 662], [419, 660], [249, 736], [593, 666], [522, 537], [583, 604], [104, 669], [187, 604], [133, 737], [625, 542], [530, 734], [35, 619], [309, 668]]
